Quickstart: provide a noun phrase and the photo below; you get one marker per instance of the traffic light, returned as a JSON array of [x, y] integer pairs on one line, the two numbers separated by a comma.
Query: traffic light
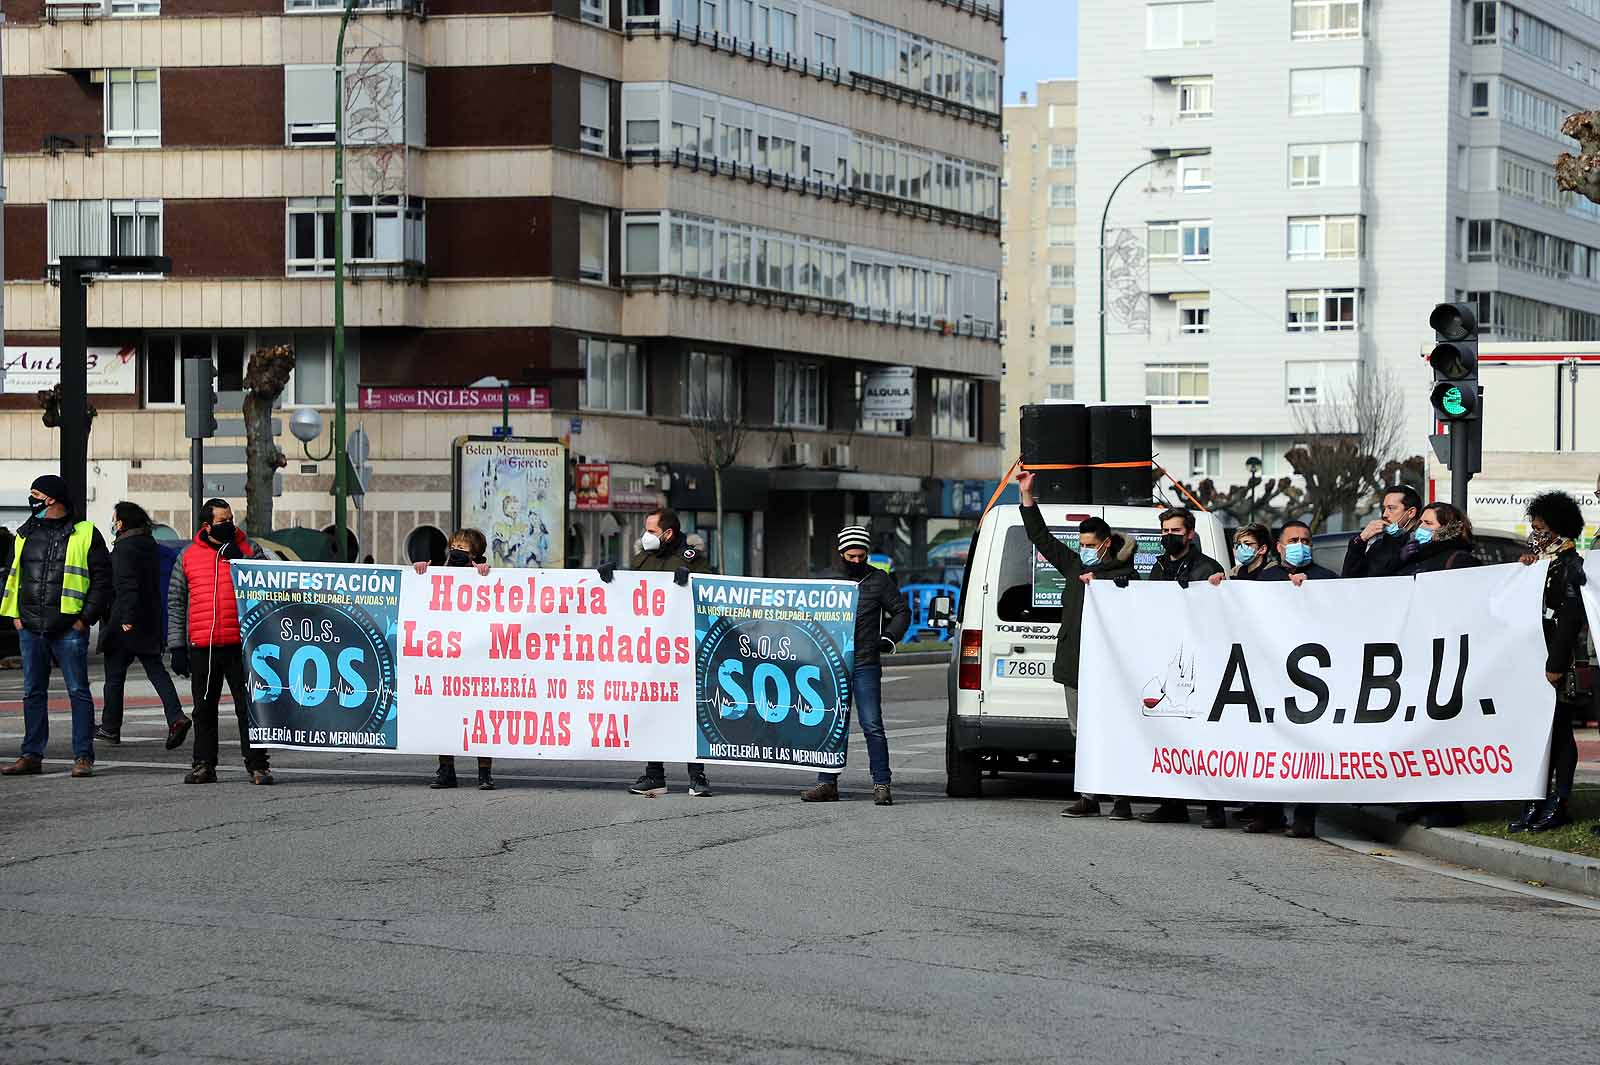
[[199, 398], [1454, 360]]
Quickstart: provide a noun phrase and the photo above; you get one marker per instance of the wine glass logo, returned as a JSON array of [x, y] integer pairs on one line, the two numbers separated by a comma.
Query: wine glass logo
[[1169, 694]]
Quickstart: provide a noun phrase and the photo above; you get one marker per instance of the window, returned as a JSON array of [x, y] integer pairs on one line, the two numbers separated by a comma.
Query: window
[[889, 54], [1329, 310], [826, 50], [1306, 383], [1163, 241], [1177, 384], [1479, 105], [1060, 314], [1531, 110], [1328, 91], [1483, 21], [310, 230], [1060, 276], [308, 110], [133, 107], [1325, 237], [712, 388], [1059, 236], [799, 395], [1321, 20], [1194, 319], [955, 408], [135, 227], [1205, 461], [613, 376], [1196, 242], [594, 244], [594, 11], [1059, 392], [594, 115], [1325, 165], [1062, 195], [1061, 357], [385, 230], [1480, 240], [1194, 175], [1056, 115], [133, 8], [1061, 156], [1194, 97], [1182, 25], [102, 227]]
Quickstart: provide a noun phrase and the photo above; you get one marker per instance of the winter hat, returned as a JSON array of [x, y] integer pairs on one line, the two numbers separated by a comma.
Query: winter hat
[[51, 485], [852, 537]]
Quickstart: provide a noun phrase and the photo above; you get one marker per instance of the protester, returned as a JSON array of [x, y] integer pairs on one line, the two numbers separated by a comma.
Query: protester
[[1296, 562], [203, 632], [1557, 522], [1442, 540], [134, 632], [1253, 554], [1375, 550], [58, 588], [467, 547], [663, 549], [1182, 561], [879, 598]]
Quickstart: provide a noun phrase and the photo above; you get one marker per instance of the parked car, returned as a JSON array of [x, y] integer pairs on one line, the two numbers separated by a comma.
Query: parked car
[[1492, 547]]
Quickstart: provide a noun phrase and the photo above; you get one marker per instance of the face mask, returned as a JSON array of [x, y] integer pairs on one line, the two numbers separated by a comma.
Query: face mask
[[1244, 554], [650, 542], [37, 506], [1422, 535], [1090, 556], [1174, 543], [457, 557], [1393, 529], [855, 569], [1538, 541], [1297, 555], [222, 532]]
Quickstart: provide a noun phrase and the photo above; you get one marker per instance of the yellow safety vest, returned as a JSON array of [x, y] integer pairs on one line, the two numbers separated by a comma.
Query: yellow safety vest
[[74, 576]]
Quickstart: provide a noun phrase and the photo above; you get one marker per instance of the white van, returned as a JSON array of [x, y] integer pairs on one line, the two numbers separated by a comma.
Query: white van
[[1006, 713]]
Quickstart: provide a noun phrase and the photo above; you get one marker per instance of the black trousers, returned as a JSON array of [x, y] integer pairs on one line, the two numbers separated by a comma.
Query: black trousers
[[117, 665], [659, 771], [210, 666], [1563, 751]]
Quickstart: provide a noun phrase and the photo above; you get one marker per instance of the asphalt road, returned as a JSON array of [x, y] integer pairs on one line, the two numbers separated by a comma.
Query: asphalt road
[[350, 914]]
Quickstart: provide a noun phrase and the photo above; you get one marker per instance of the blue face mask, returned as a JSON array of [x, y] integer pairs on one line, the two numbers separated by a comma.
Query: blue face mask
[[1392, 529], [1422, 535], [1297, 555], [1090, 556], [1244, 554]]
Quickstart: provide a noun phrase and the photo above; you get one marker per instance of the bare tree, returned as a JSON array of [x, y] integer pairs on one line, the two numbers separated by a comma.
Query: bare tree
[[264, 381], [1270, 500], [1352, 448], [720, 434], [1581, 173]]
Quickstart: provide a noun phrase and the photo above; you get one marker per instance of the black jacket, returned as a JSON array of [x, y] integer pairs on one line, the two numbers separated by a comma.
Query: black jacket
[[879, 598], [670, 556], [43, 563], [1380, 558], [138, 598], [1282, 572], [1435, 556], [1564, 617], [1119, 563], [1258, 574], [1194, 566]]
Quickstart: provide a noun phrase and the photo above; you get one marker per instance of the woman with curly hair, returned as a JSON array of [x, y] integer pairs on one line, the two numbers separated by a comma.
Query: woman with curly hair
[[1442, 540]]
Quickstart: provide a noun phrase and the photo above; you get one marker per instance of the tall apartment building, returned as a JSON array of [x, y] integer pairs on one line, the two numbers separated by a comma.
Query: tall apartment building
[[1367, 161], [646, 210], [1038, 221]]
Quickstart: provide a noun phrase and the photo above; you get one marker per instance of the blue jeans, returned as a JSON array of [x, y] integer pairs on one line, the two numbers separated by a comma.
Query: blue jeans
[[71, 653], [867, 694]]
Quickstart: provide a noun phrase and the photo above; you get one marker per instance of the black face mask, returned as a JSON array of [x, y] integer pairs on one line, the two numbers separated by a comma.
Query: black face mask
[[457, 557], [37, 506], [855, 569], [1174, 543], [223, 532]]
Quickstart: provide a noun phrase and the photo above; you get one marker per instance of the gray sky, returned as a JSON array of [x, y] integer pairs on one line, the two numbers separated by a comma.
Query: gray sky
[[1041, 43]]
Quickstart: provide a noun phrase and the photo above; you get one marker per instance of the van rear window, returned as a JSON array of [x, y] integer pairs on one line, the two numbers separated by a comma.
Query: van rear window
[[1048, 581], [1016, 582]]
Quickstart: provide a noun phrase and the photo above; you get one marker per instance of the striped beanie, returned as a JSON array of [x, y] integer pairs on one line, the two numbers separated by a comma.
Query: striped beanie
[[854, 536]]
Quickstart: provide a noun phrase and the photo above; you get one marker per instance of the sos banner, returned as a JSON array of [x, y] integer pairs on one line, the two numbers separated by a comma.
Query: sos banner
[[1396, 689], [542, 664]]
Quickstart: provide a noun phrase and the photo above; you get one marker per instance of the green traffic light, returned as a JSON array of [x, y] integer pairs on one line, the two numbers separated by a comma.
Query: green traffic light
[[1452, 403]]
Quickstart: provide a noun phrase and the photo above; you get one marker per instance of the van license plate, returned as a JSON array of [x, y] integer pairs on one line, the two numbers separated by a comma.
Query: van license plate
[[1021, 667]]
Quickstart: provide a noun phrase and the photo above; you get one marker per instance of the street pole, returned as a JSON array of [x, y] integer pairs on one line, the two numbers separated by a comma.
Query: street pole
[[1459, 459], [505, 406], [197, 480], [75, 385], [341, 484]]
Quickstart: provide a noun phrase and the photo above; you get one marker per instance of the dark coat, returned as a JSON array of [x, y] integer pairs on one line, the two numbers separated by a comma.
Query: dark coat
[[670, 556], [1380, 558], [1435, 556], [1564, 617], [43, 564], [1069, 565], [879, 597], [1194, 566], [1282, 572], [138, 598], [1258, 574]]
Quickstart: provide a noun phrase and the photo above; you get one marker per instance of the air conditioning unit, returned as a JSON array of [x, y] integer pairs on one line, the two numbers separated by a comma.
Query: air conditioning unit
[[795, 455], [836, 457]]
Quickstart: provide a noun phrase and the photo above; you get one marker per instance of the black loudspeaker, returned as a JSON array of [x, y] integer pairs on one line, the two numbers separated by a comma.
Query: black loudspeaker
[[1119, 434], [1057, 434]]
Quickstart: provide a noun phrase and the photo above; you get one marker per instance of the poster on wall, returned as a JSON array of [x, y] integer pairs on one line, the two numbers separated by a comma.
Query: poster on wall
[[514, 490], [112, 371], [890, 393]]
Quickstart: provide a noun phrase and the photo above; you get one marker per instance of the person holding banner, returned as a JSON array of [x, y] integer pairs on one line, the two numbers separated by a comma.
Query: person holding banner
[[1442, 540], [879, 597], [1101, 555], [467, 548], [1557, 522], [1297, 564], [1253, 554], [1375, 550]]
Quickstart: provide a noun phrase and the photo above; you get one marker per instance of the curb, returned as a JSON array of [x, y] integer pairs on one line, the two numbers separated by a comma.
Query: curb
[[1516, 861], [918, 658]]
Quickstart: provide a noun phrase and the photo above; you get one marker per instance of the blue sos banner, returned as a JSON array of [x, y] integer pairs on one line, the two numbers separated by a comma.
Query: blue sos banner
[[773, 665], [319, 644]]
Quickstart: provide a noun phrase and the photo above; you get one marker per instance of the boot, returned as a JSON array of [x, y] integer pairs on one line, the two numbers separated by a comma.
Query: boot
[[261, 776], [1086, 806], [485, 778], [23, 767], [201, 773], [1216, 816], [1170, 812], [1554, 815], [1529, 815], [444, 777], [881, 795], [1121, 810], [82, 767], [821, 791]]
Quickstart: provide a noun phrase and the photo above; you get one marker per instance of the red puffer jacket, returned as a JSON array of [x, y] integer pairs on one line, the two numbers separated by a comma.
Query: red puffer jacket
[[201, 608]]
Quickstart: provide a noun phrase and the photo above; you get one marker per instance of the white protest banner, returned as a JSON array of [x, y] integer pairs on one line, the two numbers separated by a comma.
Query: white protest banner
[[1394, 689]]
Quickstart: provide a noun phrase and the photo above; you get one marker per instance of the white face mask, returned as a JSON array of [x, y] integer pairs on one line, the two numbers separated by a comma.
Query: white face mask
[[650, 542]]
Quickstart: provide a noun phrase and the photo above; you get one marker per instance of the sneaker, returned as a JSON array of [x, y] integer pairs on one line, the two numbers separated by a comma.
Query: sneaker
[[177, 732], [1084, 807], [821, 791], [261, 776], [82, 767], [1121, 810], [201, 774], [1264, 824], [649, 786], [1168, 813], [881, 796], [444, 777], [103, 733], [699, 786], [23, 767], [485, 779]]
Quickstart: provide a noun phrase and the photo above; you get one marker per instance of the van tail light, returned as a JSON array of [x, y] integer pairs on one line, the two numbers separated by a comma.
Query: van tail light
[[969, 675]]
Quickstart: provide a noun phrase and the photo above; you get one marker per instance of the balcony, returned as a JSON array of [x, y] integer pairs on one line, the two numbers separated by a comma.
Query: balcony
[[59, 143]]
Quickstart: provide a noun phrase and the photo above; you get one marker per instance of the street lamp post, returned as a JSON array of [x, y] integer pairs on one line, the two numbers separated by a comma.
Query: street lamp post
[[341, 484], [1160, 155], [1253, 464]]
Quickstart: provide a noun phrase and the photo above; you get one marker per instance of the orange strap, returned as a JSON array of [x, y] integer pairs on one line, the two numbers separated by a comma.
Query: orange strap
[[1187, 494], [1137, 464]]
